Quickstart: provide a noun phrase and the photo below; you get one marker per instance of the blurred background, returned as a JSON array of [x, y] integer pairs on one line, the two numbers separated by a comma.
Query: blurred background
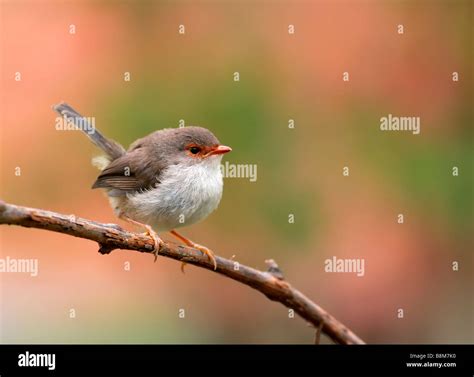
[[282, 76]]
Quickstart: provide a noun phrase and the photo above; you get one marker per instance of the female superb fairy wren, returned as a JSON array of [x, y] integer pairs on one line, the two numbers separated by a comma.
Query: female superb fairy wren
[[168, 179]]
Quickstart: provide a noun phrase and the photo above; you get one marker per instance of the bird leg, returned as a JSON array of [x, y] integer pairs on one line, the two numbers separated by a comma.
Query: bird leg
[[149, 232], [194, 245]]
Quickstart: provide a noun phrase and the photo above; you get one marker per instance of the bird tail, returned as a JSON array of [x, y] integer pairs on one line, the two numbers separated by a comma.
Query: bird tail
[[112, 149]]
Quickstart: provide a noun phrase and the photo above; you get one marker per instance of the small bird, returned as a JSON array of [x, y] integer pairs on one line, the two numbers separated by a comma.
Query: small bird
[[168, 179]]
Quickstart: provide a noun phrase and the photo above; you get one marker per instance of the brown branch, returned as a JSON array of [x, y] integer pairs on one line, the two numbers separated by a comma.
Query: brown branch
[[317, 336], [110, 237]]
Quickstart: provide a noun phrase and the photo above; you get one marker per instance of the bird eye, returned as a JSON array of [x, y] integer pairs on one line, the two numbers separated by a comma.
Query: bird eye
[[195, 150]]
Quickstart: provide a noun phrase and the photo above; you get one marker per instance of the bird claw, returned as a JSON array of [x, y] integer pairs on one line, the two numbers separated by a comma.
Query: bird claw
[[158, 242], [206, 251], [202, 249]]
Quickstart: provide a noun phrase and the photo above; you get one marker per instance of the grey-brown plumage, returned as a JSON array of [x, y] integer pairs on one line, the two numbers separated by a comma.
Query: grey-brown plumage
[[109, 146], [141, 166]]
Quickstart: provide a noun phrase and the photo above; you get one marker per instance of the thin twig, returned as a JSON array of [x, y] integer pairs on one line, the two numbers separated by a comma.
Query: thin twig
[[317, 337], [111, 237]]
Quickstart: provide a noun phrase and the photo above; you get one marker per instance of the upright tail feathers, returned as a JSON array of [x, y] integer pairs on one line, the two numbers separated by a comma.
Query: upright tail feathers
[[113, 149]]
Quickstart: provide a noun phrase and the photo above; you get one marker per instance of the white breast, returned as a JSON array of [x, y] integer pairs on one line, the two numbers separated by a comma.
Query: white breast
[[185, 195]]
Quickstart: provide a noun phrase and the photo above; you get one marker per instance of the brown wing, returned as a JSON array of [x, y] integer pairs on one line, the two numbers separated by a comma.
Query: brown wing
[[131, 172]]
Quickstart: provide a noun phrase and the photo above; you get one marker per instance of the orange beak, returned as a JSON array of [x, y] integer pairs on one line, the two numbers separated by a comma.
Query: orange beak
[[221, 149]]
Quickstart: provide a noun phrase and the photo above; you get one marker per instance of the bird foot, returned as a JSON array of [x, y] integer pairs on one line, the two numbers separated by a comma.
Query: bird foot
[[205, 251], [202, 249], [158, 242]]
